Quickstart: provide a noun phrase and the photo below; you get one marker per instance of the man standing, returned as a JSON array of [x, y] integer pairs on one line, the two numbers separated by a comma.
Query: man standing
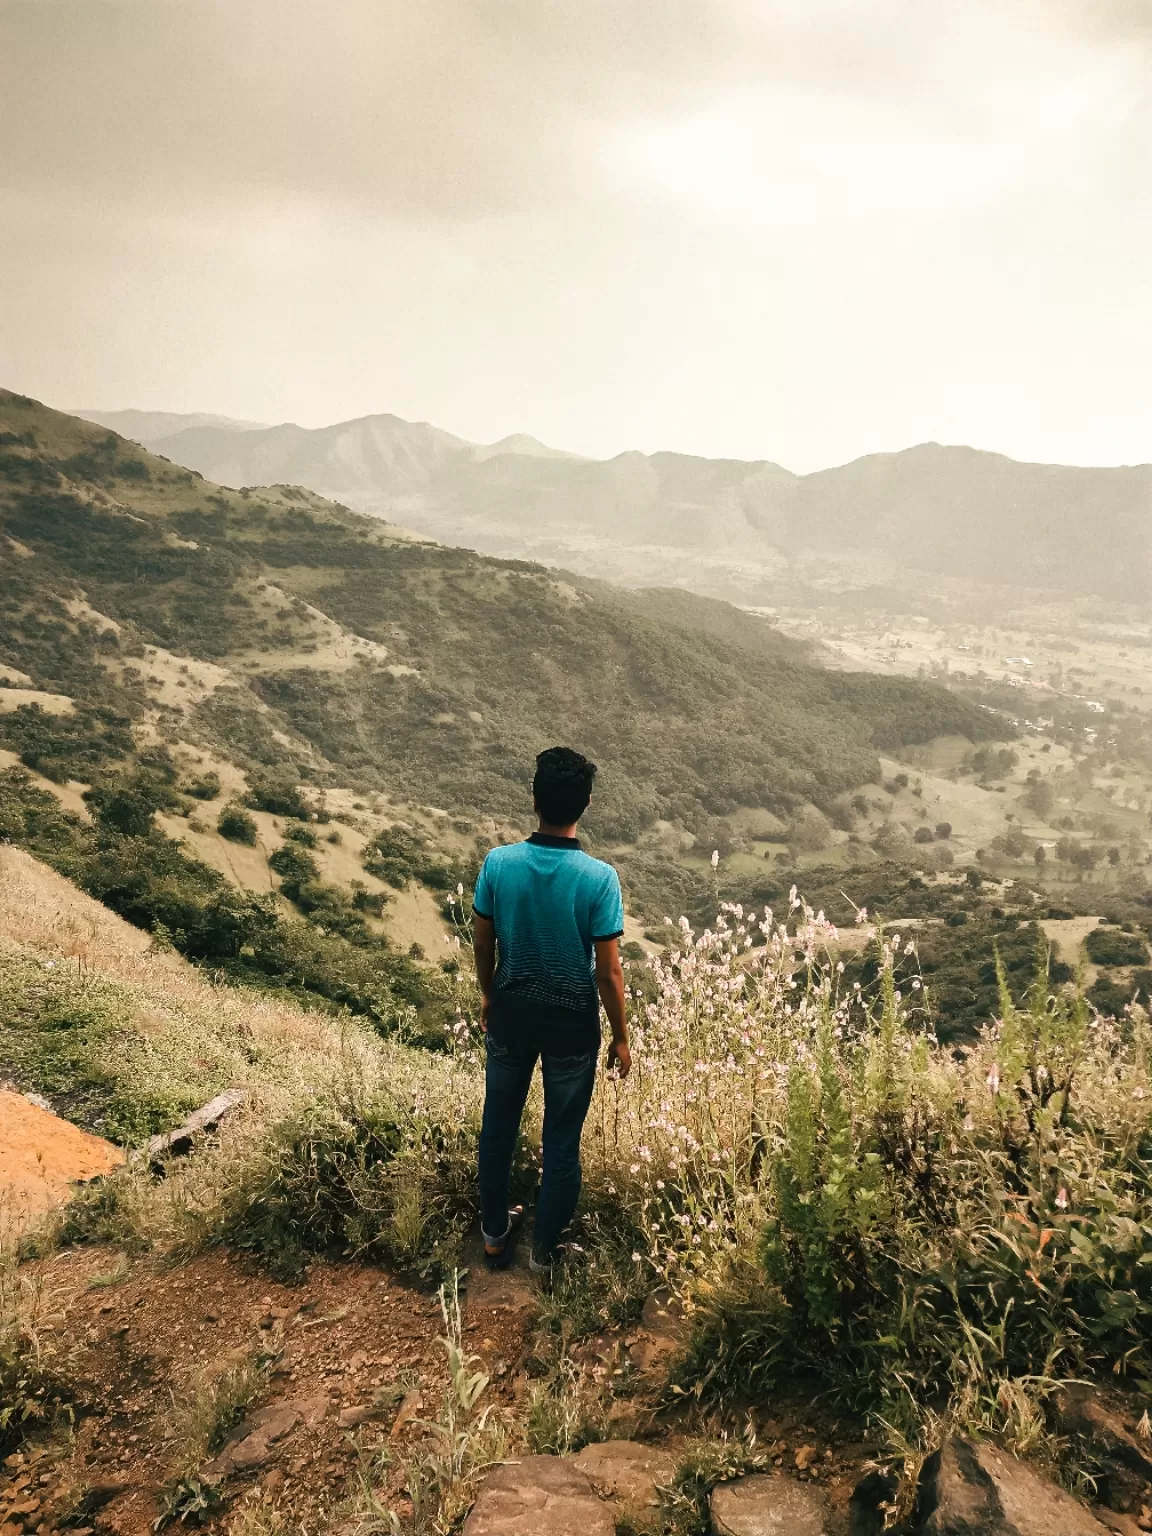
[[548, 920]]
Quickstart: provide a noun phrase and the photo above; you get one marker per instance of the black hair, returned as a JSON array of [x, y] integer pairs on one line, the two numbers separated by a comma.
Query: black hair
[[562, 785]]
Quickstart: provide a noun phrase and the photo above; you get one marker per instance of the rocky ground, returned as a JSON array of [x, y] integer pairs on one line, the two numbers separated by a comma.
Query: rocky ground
[[348, 1360]]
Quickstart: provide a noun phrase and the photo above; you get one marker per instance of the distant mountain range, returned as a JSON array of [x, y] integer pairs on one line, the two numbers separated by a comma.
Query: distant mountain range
[[749, 530]]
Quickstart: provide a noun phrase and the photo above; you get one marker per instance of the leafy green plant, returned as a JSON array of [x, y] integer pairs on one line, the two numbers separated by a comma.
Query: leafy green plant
[[236, 825]]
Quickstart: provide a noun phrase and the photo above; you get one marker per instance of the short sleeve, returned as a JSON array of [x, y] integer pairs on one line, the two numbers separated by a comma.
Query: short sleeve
[[482, 903], [608, 909]]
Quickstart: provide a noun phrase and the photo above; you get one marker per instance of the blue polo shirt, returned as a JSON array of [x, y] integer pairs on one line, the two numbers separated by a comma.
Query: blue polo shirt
[[549, 901]]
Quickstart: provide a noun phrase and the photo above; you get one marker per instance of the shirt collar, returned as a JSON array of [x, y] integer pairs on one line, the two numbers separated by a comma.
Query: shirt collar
[[546, 840]]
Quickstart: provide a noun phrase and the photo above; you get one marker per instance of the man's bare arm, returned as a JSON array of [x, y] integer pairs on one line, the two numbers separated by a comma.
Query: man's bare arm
[[484, 949], [610, 985]]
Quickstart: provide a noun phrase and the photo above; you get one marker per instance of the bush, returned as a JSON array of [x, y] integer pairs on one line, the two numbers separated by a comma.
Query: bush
[[236, 825], [295, 866], [924, 835], [357, 1172], [204, 787], [1110, 946], [809, 830], [835, 1194], [33, 1390], [277, 793]]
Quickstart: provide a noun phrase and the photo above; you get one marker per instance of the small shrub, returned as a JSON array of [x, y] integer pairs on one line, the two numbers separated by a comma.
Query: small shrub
[[296, 868], [32, 1368], [1111, 946], [205, 786], [236, 825]]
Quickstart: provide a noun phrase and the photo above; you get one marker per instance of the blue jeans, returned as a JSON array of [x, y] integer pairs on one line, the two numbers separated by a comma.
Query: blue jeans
[[568, 1083]]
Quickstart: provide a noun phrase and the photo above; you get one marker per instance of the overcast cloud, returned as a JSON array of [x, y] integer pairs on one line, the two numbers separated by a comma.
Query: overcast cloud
[[794, 229]]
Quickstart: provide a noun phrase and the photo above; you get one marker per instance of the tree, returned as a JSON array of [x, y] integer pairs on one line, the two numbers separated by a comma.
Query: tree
[[295, 866], [1040, 856], [1040, 798], [943, 830], [809, 830]]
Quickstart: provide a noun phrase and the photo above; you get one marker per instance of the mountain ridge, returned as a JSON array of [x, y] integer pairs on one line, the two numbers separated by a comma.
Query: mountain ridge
[[735, 528]]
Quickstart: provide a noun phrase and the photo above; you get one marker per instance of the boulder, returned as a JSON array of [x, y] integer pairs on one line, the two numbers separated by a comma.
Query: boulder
[[627, 1473], [970, 1489], [761, 1505], [539, 1496]]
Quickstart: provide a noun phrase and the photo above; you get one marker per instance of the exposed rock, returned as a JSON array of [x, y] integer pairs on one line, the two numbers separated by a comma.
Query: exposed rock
[[969, 1489], [539, 1496], [254, 1442], [761, 1505], [1085, 1411], [352, 1418], [663, 1333], [410, 1405], [626, 1472], [173, 1143]]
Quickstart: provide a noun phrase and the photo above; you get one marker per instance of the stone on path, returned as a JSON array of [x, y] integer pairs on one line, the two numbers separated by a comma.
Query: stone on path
[[762, 1505], [627, 1473], [970, 1489], [1124, 1475], [254, 1442], [410, 1405], [538, 1496], [663, 1333]]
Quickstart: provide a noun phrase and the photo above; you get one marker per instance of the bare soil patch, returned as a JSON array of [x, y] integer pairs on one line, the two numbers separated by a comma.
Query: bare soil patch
[[41, 1158]]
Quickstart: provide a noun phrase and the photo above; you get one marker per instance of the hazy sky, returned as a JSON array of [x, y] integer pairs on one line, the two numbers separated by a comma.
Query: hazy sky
[[793, 229]]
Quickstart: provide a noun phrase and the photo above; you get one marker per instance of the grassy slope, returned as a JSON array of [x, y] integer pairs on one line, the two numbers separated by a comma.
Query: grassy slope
[[477, 663]]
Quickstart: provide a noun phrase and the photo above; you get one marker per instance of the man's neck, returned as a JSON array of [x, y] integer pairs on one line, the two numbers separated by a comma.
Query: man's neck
[[546, 829]]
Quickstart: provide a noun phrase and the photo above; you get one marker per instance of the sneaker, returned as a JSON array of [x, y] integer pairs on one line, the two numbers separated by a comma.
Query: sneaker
[[542, 1261]]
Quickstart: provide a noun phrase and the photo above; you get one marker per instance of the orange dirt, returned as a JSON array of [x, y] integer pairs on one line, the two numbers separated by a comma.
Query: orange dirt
[[41, 1157]]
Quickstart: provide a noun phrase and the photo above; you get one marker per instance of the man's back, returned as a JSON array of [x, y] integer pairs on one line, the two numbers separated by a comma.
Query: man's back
[[549, 902]]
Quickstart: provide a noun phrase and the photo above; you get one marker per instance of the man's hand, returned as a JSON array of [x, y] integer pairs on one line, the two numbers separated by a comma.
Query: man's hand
[[485, 1004], [619, 1059], [610, 985]]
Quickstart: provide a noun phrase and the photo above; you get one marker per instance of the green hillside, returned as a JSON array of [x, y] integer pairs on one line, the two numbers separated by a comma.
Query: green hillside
[[471, 664]]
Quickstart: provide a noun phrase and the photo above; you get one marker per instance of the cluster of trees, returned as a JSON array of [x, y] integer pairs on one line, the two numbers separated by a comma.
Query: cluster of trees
[[125, 861]]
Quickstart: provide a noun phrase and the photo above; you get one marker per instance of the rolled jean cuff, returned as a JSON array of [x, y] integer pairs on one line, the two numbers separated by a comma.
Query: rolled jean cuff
[[503, 1238]]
